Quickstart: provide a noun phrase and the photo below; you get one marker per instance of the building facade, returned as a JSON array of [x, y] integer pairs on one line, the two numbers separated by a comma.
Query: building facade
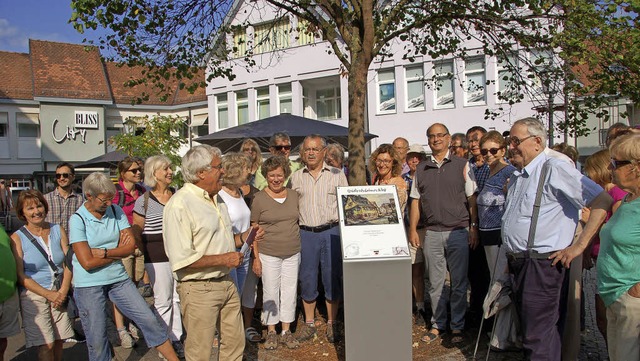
[[61, 103]]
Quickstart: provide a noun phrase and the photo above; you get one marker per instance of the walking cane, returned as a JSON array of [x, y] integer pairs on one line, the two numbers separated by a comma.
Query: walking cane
[[493, 329]]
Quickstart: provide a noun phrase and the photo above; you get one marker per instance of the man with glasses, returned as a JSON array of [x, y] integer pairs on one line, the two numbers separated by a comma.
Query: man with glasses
[[444, 186], [63, 201], [279, 144], [316, 185], [459, 145], [202, 250], [539, 247], [401, 146]]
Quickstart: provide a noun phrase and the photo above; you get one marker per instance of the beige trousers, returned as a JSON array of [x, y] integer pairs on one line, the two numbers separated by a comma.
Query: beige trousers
[[207, 305]]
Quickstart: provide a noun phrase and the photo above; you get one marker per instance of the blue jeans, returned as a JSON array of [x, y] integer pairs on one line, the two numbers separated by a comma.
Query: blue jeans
[[92, 306], [442, 250], [322, 249]]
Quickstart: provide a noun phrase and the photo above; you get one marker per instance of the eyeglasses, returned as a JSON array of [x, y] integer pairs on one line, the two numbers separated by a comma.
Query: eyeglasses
[[493, 151], [136, 170], [516, 141], [615, 164], [105, 201], [439, 136], [63, 175], [281, 147], [218, 167], [384, 161], [313, 150], [456, 147]]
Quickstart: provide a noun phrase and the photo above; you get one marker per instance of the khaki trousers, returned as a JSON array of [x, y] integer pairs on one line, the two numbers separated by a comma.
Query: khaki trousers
[[207, 305], [623, 328]]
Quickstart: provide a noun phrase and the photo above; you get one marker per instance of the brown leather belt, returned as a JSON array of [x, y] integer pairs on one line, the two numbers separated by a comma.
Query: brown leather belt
[[320, 228]]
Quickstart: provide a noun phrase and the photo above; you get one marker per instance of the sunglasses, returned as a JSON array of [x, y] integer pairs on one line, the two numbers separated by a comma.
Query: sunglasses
[[516, 141], [281, 147], [63, 175], [493, 151], [615, 164], [134, 171]]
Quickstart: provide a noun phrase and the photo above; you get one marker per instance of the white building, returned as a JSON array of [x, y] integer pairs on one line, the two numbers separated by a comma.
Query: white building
[[294, 73]]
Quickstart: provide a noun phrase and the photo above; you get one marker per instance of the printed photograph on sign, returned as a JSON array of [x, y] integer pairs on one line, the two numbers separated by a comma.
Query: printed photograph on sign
[[369, 209]]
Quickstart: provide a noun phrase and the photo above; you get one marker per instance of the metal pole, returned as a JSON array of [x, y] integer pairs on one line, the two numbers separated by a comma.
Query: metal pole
[[550, 118]]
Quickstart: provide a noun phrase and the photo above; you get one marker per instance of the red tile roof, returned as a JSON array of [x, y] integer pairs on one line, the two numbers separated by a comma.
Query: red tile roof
[[15, 76], [71, 71]]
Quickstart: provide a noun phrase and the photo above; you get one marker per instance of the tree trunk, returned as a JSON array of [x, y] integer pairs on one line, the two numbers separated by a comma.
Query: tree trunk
[[357, 103]]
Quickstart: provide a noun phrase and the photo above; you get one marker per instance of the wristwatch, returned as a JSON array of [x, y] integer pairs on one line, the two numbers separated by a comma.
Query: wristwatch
[[104, 255], [474, 224]]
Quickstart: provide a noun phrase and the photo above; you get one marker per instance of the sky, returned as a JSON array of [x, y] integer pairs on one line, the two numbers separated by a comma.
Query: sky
[[21, 20]]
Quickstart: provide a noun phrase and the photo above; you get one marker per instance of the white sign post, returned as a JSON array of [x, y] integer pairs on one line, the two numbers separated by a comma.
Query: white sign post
[[377, 274]]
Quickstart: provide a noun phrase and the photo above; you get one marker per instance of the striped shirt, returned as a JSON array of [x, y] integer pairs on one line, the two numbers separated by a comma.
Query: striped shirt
[[152, 232], [61, 209], [318, 199]]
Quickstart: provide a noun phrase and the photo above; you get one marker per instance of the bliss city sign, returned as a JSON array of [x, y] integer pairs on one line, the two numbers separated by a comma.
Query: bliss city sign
[[83, 121]]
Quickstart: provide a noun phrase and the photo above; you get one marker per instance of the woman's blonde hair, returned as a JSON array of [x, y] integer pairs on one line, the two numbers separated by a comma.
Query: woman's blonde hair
[[234, 165], [596, 167], [389, 149], [255, 163], [626, 147]]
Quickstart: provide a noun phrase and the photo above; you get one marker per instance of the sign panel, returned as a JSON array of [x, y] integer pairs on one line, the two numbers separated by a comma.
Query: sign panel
[[372, 225]]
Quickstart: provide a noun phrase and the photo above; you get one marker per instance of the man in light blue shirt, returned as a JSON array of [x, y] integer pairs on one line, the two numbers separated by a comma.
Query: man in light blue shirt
[[537, 266]]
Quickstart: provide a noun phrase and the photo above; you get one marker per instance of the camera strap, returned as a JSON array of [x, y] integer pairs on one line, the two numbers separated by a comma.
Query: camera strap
[[37, 244]]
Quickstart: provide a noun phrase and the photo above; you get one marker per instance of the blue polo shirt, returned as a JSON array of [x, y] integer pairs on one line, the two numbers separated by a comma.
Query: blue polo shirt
[[99, 233], [566, 191]]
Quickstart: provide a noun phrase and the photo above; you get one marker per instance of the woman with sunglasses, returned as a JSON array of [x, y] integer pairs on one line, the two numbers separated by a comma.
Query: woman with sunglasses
[[490, 200], [493, 148], [252, 150], [618, 271]]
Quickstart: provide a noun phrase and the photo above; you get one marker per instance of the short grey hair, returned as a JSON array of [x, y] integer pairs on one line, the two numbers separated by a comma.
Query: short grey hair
[[534, 127], [151, 166], [234, 165], [336, 151], [279, 136], [98, 183], [197, 160], [315, 136]]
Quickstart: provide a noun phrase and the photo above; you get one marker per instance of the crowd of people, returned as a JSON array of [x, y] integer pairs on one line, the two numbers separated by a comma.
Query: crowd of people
[[482, 208]]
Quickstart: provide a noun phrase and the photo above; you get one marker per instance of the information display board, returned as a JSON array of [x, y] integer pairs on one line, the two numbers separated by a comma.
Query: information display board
[[371, 223]]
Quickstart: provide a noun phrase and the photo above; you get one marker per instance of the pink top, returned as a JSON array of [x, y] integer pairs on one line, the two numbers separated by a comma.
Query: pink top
[[617, 194]]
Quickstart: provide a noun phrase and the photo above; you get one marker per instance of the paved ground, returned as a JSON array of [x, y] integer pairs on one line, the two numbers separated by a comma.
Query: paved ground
[[593, 346]]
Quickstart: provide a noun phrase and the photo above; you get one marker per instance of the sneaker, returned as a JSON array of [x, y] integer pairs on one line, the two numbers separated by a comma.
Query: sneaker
[[77, 338], [419, 316], [134, 331], [271, 342], [306, 332], [288, 339], [333, 332], [126, 340], [178, 348], [146, 290]]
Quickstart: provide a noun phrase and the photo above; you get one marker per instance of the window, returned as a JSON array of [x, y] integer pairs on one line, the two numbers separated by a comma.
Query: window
[[242, 107], [306, 34], [28, 130], [240, 42], [386, 91], [28, 125], [3, 130], [474, 81], [285, 98], [328, 103], [183, 131], [222, 111], [271, 36], [542, 61], [262, 102], [4, 118], [507, 65], [444, 84], [415, 88]]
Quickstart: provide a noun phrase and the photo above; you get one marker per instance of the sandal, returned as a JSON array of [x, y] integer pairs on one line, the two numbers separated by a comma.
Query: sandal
[[271, 343], [252, 335], [430, 337], [457, 337]]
